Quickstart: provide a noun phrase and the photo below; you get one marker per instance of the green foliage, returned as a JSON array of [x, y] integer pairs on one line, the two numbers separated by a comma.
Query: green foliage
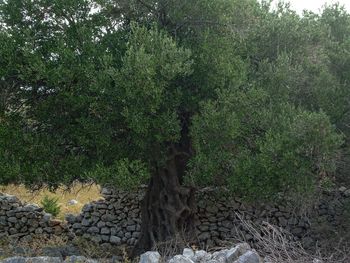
[[123, 174], [106, 94], [258, 149], [292, 158], [216, 131], [146, 90], [50, 205]]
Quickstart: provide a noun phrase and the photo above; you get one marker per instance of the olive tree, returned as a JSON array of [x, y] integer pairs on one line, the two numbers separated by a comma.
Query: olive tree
[[168, 93]]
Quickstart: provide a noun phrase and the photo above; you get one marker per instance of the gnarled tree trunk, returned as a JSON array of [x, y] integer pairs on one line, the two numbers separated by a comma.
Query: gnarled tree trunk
[[168, 208]]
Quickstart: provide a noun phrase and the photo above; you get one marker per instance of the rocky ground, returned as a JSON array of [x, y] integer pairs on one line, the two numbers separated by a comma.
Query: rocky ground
[[240, 253]]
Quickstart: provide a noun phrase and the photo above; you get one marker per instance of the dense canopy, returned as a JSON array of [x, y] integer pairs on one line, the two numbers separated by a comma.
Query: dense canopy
[[226, 92]]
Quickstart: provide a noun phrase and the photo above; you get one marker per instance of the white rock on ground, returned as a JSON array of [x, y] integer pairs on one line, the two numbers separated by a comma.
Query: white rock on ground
[[220, 256], [72, 202], [150, 257], [241, 253], [180, 259], [201, 256], [234, 253], [248, 257], [80, 259], [188, 252]]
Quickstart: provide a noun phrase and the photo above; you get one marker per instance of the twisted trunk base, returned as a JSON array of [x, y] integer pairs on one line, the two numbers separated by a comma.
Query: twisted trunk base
[[168, 210]]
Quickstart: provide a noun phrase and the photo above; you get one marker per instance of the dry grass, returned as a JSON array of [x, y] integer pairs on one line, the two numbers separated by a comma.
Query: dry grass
[[278, 246], [82, 193], [38, 246], [171, 247], [29, 248]]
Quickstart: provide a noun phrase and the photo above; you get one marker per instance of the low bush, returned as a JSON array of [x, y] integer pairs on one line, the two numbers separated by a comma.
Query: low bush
[[50, 205]]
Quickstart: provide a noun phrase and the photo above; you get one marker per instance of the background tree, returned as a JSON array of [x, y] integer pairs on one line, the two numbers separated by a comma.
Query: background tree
[[176, 94]]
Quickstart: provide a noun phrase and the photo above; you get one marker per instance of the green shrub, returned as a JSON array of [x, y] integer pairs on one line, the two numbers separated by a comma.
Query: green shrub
[[124, 173], [260, 150], [50, 205]]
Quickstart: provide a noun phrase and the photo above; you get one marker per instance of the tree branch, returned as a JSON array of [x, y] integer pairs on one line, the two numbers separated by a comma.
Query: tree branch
[[149, 7]]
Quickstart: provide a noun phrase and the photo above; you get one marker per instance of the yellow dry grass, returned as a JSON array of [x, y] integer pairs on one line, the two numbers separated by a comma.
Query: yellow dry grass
[[81, 193]]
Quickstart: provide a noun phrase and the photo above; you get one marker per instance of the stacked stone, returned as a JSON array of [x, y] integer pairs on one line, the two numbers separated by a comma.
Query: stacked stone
[[115, 219], [19, 220], [332, 206], [216, 219], [220, 218]]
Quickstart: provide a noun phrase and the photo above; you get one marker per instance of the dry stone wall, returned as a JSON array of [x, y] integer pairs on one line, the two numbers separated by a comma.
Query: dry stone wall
[[116, 218], [19, 220]]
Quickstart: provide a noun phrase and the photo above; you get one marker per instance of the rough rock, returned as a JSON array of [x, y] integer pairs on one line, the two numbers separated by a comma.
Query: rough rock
[[201, 256], [72, 202], [150, 257], [180, 259], [80, 259], [234, 253], [220, 256], [188, 252], [248, 257], [115, 240], [14, 260], [32, 260]]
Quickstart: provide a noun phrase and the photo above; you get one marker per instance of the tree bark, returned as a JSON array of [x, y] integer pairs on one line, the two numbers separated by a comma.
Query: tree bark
[[168, 208]]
